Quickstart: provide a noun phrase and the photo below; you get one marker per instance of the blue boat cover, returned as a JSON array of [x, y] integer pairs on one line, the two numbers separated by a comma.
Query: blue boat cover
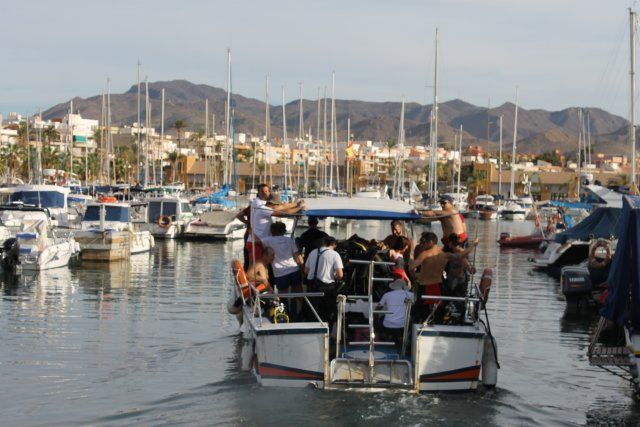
[[217, 198], [602, 223], [569, 205], [623, 301]]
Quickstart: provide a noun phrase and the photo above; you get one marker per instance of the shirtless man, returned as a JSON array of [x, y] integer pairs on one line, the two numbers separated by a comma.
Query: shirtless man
[[452, 221], [432, 262], [258, 273]]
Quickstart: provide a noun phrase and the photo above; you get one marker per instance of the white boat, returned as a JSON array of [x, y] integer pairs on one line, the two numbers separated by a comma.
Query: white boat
[[167, 216], [41, 248], [109, 235], [454, 356], [50, 197], [371, 193], [219, 224], [484, 208], [513, 211]]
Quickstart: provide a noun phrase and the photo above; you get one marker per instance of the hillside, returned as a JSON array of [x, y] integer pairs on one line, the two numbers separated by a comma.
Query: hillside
[[538, 130]]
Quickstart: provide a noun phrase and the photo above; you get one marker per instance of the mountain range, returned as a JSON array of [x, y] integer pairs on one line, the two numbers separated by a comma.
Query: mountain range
[[538, 130]]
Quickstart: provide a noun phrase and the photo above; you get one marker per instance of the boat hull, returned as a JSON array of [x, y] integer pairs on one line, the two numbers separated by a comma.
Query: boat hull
[[447, 357]]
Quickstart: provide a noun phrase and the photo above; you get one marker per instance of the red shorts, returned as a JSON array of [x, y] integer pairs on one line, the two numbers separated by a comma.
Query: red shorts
[[431, 289], [258, 250]]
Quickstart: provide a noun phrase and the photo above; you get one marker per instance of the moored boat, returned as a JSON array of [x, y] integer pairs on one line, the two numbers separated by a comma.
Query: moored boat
[[108, 235]]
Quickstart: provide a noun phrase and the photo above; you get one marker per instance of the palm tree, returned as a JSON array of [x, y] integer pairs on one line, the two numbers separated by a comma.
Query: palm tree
[[179, 126]]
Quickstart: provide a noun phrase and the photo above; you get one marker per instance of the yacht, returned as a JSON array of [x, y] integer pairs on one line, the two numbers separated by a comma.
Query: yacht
[[512, 210], [167, 216], [53, 198], [41, 246], [109, 235], [215, 224]]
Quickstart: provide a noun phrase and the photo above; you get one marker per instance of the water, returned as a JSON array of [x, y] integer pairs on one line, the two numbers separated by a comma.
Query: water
[[151, 342]]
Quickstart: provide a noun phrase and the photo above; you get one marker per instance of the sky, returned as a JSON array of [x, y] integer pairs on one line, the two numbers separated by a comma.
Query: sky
[[559, 53]]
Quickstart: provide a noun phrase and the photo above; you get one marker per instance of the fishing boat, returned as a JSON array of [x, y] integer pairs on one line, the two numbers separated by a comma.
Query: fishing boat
[[109, 235], [41, 247], [167, 216], [455, 355]]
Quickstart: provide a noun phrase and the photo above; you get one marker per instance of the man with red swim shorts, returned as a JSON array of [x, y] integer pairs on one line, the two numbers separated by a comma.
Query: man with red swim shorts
[[432, 262]]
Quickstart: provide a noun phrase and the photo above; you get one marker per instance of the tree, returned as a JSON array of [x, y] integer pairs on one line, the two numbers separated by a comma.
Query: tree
[[476, 180], [179, 126]]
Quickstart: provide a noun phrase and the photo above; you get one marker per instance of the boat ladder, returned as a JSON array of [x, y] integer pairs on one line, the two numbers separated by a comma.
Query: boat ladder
[[608, 356], [369, 368]]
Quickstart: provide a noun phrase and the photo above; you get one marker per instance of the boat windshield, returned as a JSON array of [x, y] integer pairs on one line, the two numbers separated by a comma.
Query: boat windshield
[[43, 199], [186, 208], [113, 213]]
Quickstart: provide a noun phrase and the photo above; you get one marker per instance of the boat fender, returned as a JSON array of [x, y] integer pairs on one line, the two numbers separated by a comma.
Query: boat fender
[[485, 284], [489, 363], [164, 221]]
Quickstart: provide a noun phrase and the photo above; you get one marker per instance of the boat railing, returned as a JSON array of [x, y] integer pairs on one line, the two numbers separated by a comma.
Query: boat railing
[[304, 295]]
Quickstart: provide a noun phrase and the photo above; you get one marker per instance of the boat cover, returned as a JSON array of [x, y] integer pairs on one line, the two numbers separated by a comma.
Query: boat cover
[[602, 223], [360, 208], [623, 300], [217, 198], [569, 205]]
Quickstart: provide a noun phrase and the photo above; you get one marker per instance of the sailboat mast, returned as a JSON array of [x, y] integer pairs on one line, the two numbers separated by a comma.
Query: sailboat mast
[[146, 132], [227, 115], [434, 142], [513, 152], [632, 112], [139, 119], [324, 142], [267, 131], [579, 149], [500, 160], [161, 129], [460, 162], [70, 133], [287, 170], [334, 160]]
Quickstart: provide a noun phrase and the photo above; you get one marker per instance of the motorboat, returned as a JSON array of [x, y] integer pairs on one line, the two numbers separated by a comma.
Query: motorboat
[[513, 211], [50, 197], [108, 234], [167, 216], [571, 246], [220, 224], [41, 247], [452, 355], [484, 208], [534, 240]]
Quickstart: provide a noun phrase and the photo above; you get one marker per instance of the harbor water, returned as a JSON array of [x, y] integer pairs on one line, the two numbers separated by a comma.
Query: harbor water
[[150, 341]]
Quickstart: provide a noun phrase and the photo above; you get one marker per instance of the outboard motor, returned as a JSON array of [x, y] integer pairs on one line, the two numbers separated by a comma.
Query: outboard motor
[[10, 256], [576, 283]]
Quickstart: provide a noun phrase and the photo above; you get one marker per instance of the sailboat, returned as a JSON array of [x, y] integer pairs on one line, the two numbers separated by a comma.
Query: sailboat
[[512, 210]]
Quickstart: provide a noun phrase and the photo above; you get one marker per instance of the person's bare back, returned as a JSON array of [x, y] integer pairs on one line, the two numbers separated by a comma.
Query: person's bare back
[[434, 261]]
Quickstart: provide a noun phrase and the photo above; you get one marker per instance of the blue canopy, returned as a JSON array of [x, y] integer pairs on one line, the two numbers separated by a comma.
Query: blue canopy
[[217, 198], [360, 208], [602, 223], [623, 301]]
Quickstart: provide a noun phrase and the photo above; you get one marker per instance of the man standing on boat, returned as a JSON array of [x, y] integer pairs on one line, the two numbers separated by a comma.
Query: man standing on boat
[[432, 262], [451, 220], [260, 218], [322, 270], [312, 238]]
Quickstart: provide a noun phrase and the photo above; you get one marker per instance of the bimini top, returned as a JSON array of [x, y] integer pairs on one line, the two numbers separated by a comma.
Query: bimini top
[[623, 301], [602, 223], [359, 208]]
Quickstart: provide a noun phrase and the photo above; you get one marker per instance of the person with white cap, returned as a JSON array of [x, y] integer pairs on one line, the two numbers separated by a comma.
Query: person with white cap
[[395, 301]]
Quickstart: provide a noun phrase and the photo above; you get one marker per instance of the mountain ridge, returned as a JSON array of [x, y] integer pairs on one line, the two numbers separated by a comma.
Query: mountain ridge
[[538, 129]]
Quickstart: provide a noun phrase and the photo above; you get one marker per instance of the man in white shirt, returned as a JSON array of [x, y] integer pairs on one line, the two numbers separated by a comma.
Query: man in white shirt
[[262, 209], [323, 268], [395, 301]]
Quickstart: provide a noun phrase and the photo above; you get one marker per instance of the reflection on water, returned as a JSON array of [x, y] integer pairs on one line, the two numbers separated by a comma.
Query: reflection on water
[[150, 341]]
